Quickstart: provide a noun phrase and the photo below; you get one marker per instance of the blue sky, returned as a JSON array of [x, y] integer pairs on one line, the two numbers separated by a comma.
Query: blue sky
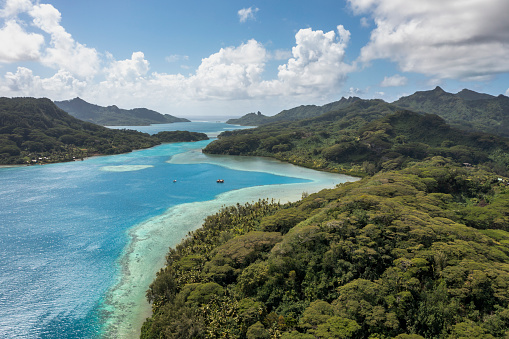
[[197, 58]]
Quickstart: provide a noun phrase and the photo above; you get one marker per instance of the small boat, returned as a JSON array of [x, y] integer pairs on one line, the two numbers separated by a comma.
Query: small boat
[[175, 180], [220, 181]]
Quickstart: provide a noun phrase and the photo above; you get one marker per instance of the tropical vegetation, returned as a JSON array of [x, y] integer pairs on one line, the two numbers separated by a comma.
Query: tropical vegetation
[[419, 248], [114, 116], [418, 252], [35, 131]]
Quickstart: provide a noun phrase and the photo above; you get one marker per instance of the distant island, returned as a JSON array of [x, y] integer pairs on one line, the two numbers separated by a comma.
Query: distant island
[[36, 131], [114, 116]]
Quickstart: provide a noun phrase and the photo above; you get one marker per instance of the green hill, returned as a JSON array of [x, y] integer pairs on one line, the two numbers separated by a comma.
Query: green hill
[[37, 131], [114, 116], [365, 137], [293, 114], [415, 253], [467, 109]]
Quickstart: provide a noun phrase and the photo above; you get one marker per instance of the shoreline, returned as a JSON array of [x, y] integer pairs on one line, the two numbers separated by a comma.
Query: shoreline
[[150, 240]]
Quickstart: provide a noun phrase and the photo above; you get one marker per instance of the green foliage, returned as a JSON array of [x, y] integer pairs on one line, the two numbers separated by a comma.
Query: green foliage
[[297, 113], [337, 327], [180, 136], [35, 131], [257, 331], [114, 116], [467, 109], [365, 137], [392, 255]]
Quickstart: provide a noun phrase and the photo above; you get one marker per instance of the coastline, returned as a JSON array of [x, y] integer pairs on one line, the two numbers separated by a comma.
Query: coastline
[[150, 240]]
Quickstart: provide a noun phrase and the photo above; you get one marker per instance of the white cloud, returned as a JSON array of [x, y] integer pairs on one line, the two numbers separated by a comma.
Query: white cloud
[[365, 22], [65, 53], [247, 13], [281, 54], [22, 46], [317, 64], [128, 70], [14, 7], [457, 39], [394, 81], [314, 68], [176, 57], [507, 92], [60, 86], [354, 92], [231, 72]]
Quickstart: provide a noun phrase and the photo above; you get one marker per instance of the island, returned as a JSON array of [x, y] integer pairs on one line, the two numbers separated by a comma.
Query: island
[[114, 116]]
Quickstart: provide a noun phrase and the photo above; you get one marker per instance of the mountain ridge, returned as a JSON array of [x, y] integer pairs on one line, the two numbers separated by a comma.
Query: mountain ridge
[[292, 114], [113, 115], [466, 109]]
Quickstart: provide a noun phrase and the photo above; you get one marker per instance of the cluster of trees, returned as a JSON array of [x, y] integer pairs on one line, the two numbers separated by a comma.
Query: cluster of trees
[[418, 252], [36, 131], [365, 138]]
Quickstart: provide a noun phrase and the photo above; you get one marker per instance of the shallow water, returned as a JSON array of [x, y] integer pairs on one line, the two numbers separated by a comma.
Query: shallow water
[[80, 242]]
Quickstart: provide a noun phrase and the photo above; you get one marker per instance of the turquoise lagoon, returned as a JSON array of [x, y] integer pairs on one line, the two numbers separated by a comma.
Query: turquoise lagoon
[[80, 242]]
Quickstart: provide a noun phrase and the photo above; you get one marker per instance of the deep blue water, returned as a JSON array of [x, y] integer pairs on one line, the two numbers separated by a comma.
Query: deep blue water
[[63, 228]]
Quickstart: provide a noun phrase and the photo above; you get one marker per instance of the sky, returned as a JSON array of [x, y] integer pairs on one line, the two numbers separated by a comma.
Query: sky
[[231, 57]]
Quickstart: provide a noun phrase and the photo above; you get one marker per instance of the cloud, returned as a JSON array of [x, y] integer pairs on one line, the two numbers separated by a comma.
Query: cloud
[[353, 92], [231, 72], [23, 46], [507, 92], [394, 81], [128, 70], [60, 86], [247, 13], [14, 7], [317, 63], [365, 22], [176, 57], [456, 39], [64, 52], [281, 54], [315, 68]]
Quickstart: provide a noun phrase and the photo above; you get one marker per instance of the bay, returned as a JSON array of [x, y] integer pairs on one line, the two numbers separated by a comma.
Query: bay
[[81, 241]]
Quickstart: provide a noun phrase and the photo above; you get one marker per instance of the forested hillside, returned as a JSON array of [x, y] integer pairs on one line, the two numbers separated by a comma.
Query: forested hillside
[[293, 114], [466, 110], [419, 248], [114, 116], [419, 252], [364, 138], [34, 131]]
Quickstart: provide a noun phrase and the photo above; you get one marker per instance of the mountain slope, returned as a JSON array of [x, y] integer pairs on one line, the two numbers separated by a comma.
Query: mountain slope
[[365, 137], [467, 109], [37, 131], [114, 116], [293, 114], [416, 253]]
